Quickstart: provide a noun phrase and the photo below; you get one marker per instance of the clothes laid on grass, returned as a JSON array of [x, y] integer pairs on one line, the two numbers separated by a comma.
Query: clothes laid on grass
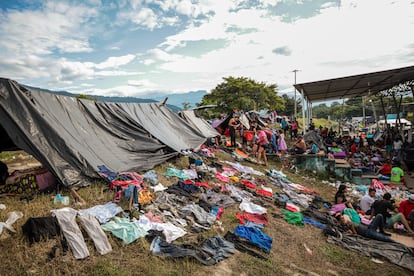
[[294, 218], [151, 176], [124, 229], [175, 172], [250, 207], [66, 218], [254, 235], [211, 251], [214, 199], [238, 193], [169, 230], [177, 190], [202, 217], [39, 228], [322, 217], [314, 222], [244, 245], [103, 212], [256, 218], [95, 232]]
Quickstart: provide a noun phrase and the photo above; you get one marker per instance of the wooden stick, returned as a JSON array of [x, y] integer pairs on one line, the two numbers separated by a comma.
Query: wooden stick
[[77, 196]]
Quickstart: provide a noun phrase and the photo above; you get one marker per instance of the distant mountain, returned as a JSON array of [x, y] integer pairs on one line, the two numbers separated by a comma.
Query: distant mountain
[[173, 107], [178, 99]]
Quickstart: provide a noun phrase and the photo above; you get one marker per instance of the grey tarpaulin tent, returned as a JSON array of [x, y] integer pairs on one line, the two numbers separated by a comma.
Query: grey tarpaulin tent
[[72, 137], [165, 125], [202, 125]]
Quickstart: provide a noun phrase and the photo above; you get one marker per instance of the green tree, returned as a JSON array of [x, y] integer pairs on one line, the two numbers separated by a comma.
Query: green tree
[[243, 94], [321, 111], [289, 107], [86, 97]]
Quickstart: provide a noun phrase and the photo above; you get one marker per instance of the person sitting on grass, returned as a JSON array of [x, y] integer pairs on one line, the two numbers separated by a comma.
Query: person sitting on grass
[[367, 201], [384, 172], [314, 148], [299, 145], [340, 196], [383, 207], [407, 209], [397, 174]]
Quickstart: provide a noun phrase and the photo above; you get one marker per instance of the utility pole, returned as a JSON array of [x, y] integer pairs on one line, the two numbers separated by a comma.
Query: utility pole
[[295, 113], [363, 111]]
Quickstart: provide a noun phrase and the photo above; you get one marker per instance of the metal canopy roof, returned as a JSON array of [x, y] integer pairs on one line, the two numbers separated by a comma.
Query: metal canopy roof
[[352, 86]]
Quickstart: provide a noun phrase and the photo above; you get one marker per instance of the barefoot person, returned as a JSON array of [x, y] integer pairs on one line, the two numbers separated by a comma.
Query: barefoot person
[[262, 142], [234, 123], [299, 145]]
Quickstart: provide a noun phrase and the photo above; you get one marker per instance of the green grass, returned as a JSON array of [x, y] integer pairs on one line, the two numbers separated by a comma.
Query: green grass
[[7, 155]]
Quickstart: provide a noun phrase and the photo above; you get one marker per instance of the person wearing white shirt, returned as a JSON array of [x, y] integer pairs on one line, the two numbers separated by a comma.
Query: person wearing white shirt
[[367, 200], [397, 145]]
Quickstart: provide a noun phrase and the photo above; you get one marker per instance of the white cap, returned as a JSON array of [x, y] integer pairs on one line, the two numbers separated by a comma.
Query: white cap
[[411, 197]]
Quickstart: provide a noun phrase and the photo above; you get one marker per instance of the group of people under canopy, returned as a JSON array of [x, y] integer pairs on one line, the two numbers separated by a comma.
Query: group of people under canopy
[[383, 158]]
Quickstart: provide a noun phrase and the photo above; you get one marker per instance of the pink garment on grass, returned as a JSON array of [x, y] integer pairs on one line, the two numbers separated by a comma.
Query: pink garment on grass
[[222, 177]]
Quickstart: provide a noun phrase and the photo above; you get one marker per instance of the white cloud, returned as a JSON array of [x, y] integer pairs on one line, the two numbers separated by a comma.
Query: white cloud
[[122, 90], [56, 27], [354, 34], [145, 17], [113, 62], [145, 84]]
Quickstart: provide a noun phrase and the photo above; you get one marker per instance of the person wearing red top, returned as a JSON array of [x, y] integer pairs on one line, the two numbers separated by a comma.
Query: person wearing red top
[[407, 209], [384, 172], [386, 168], [353, 147]]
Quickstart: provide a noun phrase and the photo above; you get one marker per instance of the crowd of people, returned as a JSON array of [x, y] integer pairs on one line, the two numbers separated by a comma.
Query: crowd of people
[[373, 214], [270, 138], [381, 158]]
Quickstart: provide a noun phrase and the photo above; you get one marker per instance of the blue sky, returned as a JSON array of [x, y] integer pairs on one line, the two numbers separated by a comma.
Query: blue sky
[[139, 47]]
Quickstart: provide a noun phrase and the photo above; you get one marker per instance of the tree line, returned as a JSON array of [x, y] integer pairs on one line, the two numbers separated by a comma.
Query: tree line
[[241, 93]]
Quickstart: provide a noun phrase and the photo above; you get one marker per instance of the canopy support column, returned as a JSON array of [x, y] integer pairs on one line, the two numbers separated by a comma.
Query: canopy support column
[[303, 112]]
